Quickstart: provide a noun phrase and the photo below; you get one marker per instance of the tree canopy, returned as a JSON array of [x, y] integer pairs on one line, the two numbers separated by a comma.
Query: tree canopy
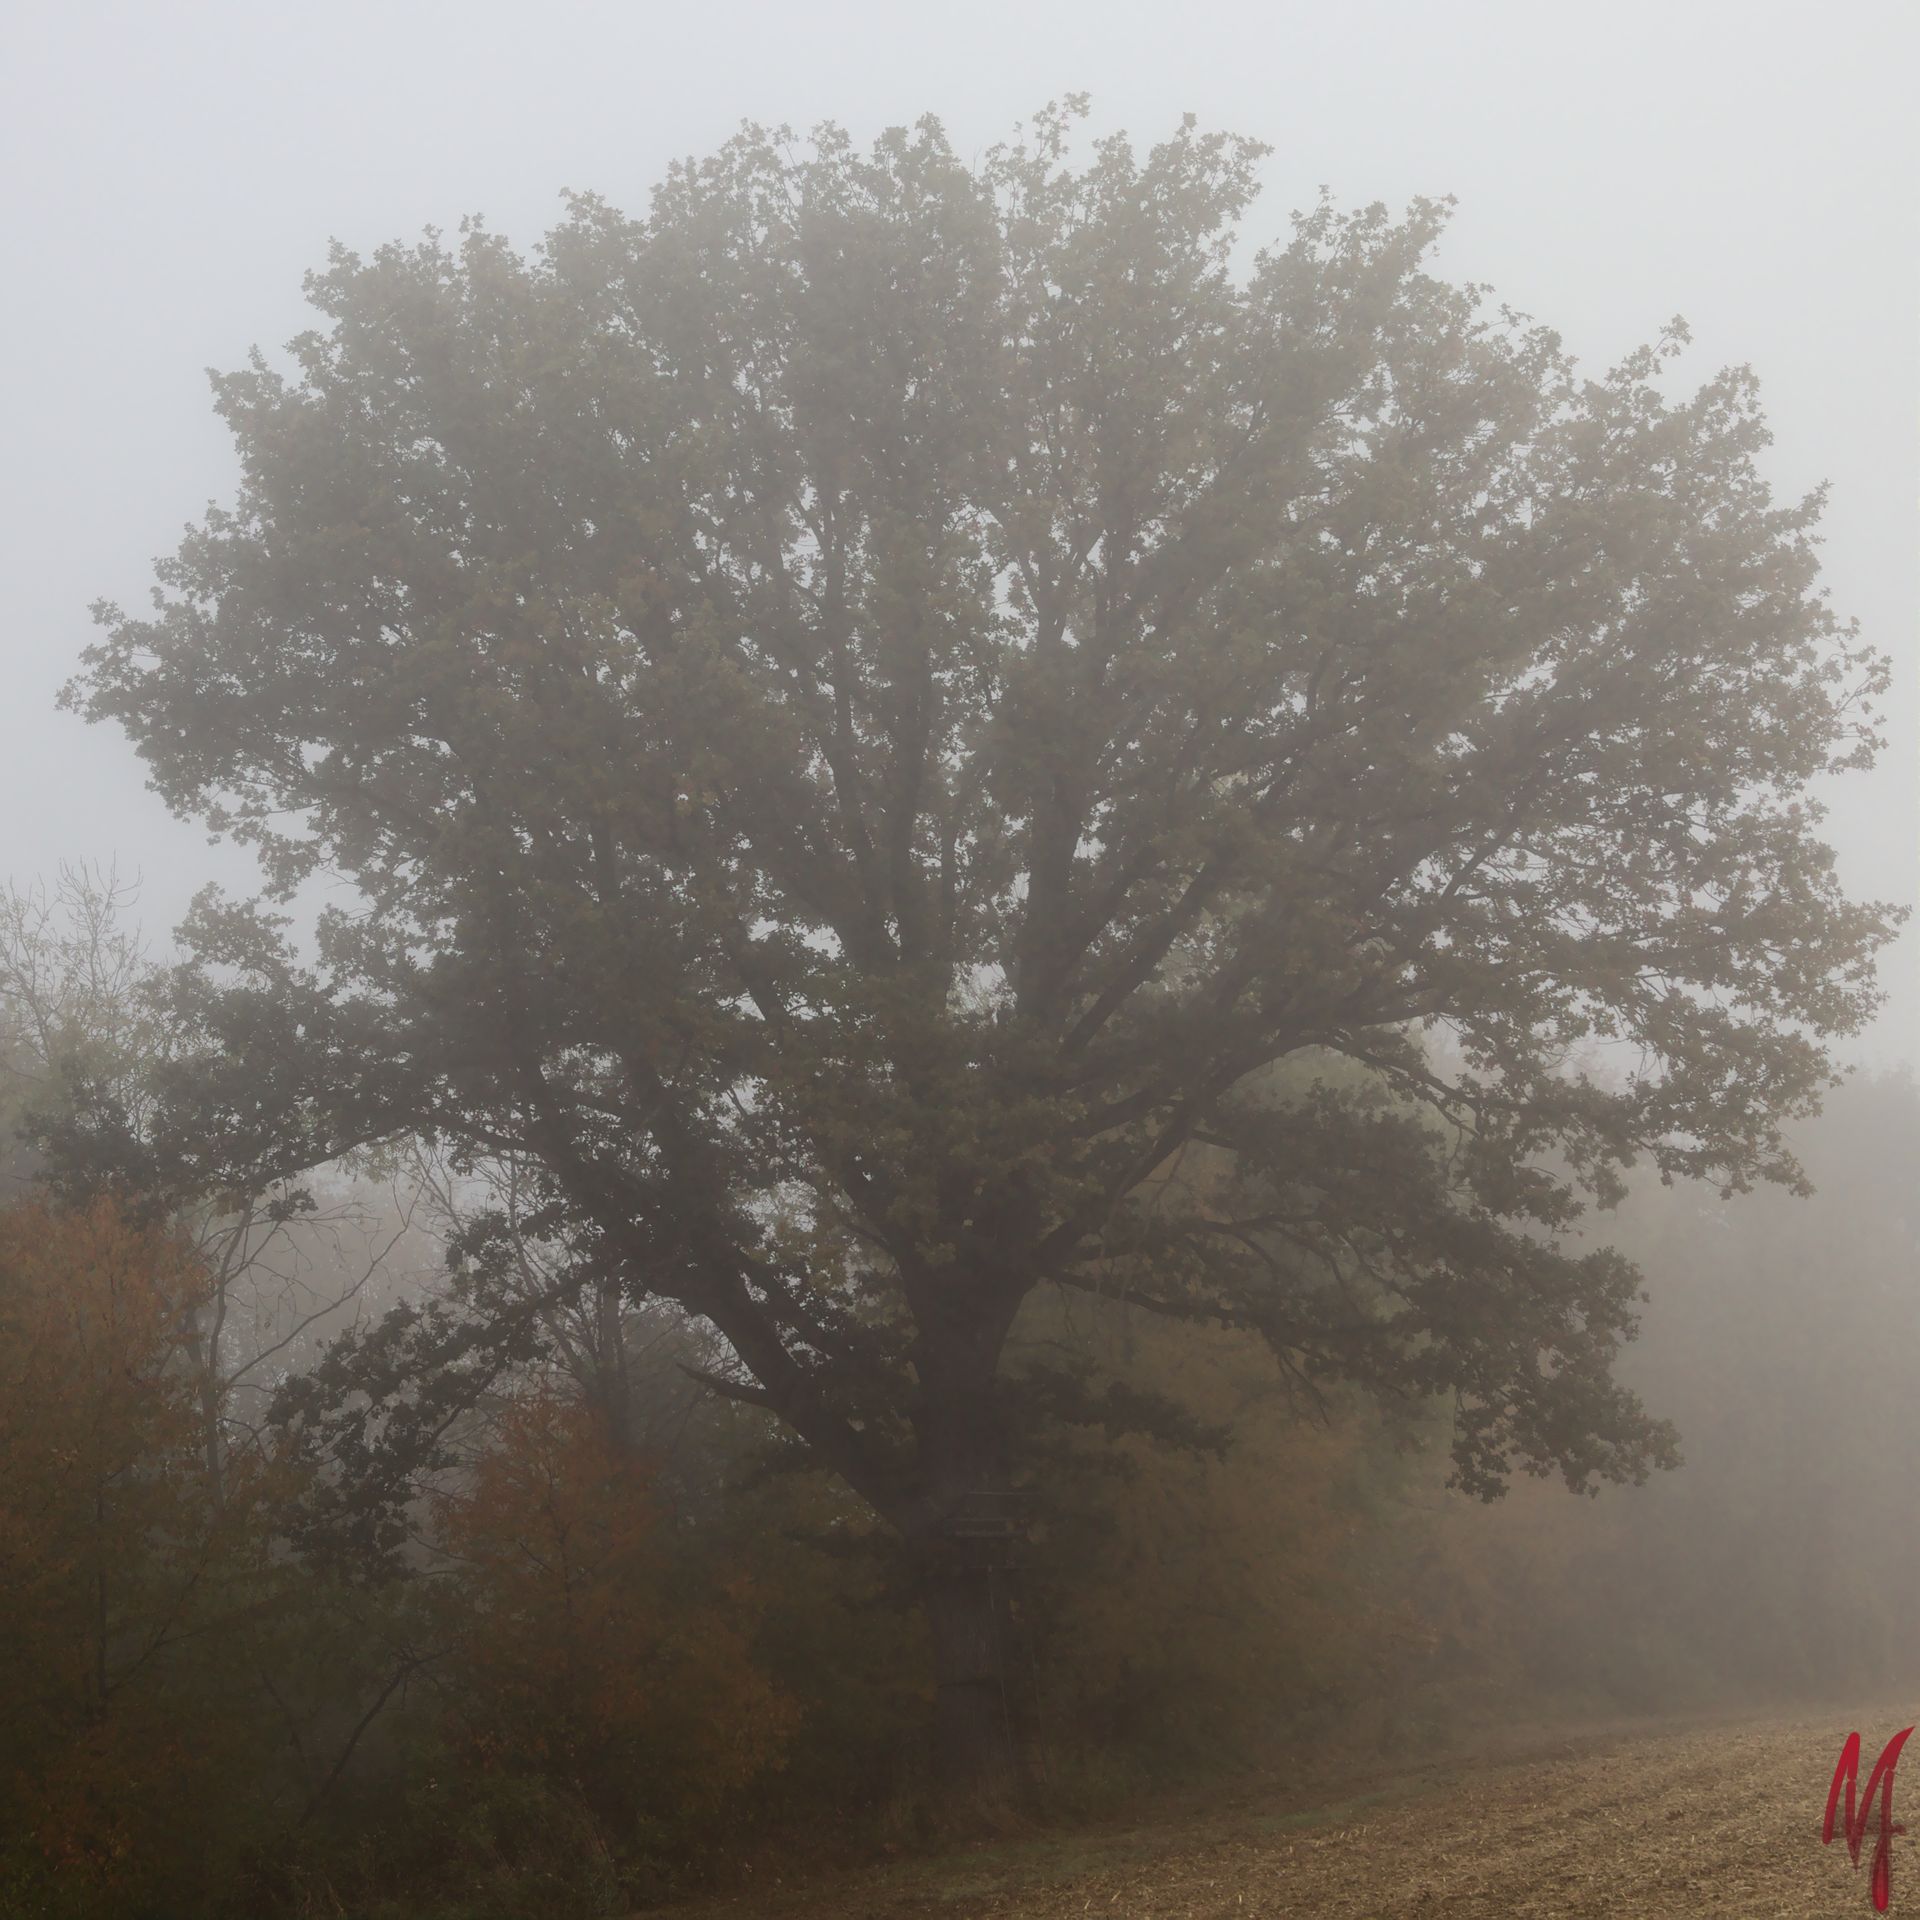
[[876, 709]]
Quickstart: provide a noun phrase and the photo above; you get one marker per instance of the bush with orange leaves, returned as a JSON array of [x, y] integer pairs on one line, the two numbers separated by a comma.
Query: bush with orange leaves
[[595, 1649], [128, 1579]]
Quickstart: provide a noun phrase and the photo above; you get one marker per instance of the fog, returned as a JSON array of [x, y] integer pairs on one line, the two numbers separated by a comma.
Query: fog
[[428, 1370]]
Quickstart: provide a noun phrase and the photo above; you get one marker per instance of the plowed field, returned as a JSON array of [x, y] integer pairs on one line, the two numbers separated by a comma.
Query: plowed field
[[1716, 1820]]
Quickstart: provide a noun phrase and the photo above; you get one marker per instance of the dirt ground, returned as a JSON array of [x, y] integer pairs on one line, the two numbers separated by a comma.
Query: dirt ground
[[1719, 1819]]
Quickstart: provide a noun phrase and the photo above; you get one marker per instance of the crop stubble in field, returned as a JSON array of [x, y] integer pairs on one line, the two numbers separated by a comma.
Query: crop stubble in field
[[1715, 1821]]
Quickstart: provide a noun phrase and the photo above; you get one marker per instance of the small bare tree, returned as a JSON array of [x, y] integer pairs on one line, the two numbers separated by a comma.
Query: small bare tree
[[84, 1028]]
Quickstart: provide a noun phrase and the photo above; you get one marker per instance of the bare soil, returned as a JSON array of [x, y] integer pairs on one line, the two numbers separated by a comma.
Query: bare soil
[[1718, 1818]]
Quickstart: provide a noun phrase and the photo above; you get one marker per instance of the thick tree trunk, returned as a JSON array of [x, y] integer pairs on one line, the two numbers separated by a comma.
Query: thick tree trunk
[[964, 1541], [976, 1740]]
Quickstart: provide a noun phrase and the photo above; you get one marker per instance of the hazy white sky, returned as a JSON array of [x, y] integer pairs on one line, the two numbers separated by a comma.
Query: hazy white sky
[[170, 169]]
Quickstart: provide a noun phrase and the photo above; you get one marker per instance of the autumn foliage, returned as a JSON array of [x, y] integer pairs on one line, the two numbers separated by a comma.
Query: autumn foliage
[[581, 1654], [117, 1564], [191, 1716]]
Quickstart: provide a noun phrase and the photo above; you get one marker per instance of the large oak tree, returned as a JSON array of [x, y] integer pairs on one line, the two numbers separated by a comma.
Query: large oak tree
[[869, 710]]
